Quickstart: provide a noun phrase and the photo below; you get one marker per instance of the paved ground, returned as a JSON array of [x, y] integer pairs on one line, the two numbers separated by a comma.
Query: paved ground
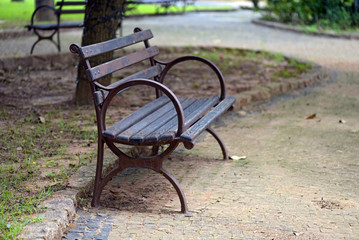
[[299, 179], [300, 176]]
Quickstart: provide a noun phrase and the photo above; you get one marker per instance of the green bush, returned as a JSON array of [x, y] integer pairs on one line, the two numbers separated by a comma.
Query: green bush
[[342, 14]]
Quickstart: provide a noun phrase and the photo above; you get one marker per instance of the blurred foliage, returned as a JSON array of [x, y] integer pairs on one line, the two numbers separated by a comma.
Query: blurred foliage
[[336, 14]]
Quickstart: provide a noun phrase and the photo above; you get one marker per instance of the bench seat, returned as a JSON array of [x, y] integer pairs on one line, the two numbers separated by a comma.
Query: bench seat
[[156, 122], [54, 26]]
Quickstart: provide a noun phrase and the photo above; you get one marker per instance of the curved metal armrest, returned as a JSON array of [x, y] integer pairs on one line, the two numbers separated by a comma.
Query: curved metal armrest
[[36, 10], [159, 86], [169, 65]]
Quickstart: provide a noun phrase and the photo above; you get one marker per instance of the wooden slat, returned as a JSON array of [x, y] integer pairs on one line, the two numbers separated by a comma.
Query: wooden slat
[[192, 117], [148, 73], [125, 123], [71, 24], [204, 122], [122, 62], [52, 26], [111, 45], [72, 3], [149, 125], [135, 134], [168, 131], [72, 11]]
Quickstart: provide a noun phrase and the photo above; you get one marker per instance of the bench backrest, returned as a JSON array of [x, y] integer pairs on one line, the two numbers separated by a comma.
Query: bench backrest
[[147, 53], [64, 7]]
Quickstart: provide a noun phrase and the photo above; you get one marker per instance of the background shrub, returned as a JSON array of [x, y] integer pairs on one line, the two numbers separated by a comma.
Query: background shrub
[[341, 14]]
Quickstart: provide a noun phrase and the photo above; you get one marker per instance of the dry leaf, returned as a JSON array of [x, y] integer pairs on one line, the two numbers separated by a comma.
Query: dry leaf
[[342, 121], [41, 120], [311, 116], [237, 158]]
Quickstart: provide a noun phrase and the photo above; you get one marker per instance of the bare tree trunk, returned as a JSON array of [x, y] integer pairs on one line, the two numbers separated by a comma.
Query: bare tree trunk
[[255, 4], [101, 21], [45, 14]]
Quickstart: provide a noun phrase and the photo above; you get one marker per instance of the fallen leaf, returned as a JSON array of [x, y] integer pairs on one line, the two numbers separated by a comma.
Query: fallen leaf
[[242, 113], [237, 158], [342, 121], [41, 119], [311, 116], [297, 233]]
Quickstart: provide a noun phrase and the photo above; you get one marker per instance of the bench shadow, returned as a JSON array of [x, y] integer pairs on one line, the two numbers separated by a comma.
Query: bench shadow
[[140, 190]]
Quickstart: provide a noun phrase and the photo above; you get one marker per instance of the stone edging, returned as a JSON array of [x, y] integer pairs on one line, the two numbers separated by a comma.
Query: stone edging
[[281, 26], [5, 34], [263, 93], [61, 207]]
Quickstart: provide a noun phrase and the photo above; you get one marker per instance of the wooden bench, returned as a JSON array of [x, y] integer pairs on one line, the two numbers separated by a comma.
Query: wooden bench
[[61, 8], [166, 120]]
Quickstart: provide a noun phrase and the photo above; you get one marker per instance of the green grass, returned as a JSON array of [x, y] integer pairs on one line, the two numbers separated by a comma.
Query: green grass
[[19, 14], [315, 28], [35, 160]]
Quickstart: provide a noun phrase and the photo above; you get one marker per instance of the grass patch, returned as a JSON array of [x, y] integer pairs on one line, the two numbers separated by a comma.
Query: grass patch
[[36, 160], [314, 28]]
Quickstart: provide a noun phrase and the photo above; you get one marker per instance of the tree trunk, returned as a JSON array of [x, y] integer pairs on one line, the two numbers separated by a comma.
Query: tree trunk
[[101, 21], [45, 14], [255, 3]]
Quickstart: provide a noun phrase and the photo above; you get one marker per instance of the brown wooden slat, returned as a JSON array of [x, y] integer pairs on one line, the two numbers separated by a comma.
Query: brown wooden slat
[[122, 62], [125, 123], [148, 73], [72, 11], [72, 3], [191, 114], [192, 117], [111, 45], [204, 122], [151, 123], [71, 24]]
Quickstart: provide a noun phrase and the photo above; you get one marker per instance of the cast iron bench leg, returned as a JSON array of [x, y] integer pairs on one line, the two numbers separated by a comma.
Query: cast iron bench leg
[[220, 142], [97, 188], [175, 184]]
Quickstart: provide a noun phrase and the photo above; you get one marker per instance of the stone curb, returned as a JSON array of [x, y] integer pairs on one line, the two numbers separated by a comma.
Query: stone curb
[[5, 34], [264, 93], [281, 26], [61, 207]]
